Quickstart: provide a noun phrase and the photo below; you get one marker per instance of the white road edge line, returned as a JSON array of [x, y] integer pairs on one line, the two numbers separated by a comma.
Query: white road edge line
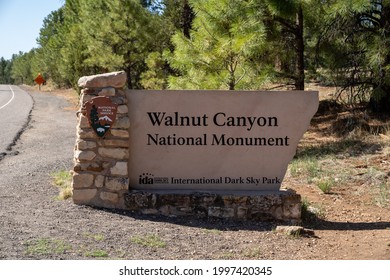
[[13, 96]]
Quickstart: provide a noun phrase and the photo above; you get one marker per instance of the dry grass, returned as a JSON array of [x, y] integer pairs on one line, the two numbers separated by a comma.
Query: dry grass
[[63, 180], [152, 241], [345, 154]]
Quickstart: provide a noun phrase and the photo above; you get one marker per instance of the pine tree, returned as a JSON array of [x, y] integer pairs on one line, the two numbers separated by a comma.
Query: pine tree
[[156, 76], [378, 54], [121, 38], [179, 15], [74, 51], [21, 68], [287, 22], [356, 48], [48, 57], [5, 73], [217, 53], [174, 16]]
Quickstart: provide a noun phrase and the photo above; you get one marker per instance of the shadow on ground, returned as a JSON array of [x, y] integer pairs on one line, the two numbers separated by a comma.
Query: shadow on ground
[[311, 221], [198, 222], [351, 147]]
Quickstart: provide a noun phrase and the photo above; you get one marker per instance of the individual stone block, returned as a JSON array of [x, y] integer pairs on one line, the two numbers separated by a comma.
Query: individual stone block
[[115, 153], [87, 134], [120, 92], [139, 200], [85, 145], [117, 184], [116, 143], [109, 91], [242, 213], [120, 133], [94, 166], [169, 210], [77, 167], [230, 200], [99, 181], [81, 181], [85, 98], [221, 212], [292, 206], [83, 122], [89, 91], [84, 155], [123, 109], [119, 100], [114, 79], [123, 123], [207, 199], [111, 197], [120, 169], [83, 196]]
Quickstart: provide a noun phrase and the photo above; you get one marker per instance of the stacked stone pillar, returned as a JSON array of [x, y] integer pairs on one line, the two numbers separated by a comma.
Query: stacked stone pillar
[[100, 176]]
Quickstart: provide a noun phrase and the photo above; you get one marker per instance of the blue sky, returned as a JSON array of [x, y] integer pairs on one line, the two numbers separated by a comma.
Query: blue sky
[[20, 22]]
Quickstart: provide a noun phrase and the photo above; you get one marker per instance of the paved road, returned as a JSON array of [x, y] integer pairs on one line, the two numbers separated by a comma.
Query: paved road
[[28, 208], [15, 107]]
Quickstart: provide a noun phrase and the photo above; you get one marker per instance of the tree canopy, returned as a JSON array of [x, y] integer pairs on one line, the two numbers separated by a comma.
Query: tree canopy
[[216, 44]]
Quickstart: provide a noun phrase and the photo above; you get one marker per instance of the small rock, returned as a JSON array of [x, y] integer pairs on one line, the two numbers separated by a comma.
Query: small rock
[[294, 230], [289, 230]]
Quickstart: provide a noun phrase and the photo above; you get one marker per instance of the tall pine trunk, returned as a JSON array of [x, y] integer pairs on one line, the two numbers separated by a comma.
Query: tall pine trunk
[[187, 17], [129, 77], [380, 103], [300, 49]]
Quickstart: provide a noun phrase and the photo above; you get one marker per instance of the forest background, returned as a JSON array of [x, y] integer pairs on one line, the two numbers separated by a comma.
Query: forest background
[[217, 44]]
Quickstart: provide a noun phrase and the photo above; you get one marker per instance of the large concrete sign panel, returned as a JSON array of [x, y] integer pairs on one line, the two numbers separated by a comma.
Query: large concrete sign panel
[[215, 140]]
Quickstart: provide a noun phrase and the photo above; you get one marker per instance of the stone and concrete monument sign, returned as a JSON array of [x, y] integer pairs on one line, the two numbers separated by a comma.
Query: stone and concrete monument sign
[[196, 153], [215, 140]]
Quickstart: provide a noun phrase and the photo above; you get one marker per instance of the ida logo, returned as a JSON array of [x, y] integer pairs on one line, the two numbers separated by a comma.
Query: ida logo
[[146, 179]]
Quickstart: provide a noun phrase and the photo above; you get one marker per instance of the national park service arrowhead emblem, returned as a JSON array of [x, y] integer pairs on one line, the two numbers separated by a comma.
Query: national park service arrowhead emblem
[[101, 114]]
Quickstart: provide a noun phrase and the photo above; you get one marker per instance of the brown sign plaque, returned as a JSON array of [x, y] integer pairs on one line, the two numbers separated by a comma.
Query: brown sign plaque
[[215, 140], [101, 114]]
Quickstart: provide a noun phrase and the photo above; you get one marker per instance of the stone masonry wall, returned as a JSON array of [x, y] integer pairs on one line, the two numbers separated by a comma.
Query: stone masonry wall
[[100, 175], [284, 206]]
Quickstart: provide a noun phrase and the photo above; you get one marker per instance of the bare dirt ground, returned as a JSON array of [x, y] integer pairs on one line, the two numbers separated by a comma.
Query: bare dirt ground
[[340, 154]]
